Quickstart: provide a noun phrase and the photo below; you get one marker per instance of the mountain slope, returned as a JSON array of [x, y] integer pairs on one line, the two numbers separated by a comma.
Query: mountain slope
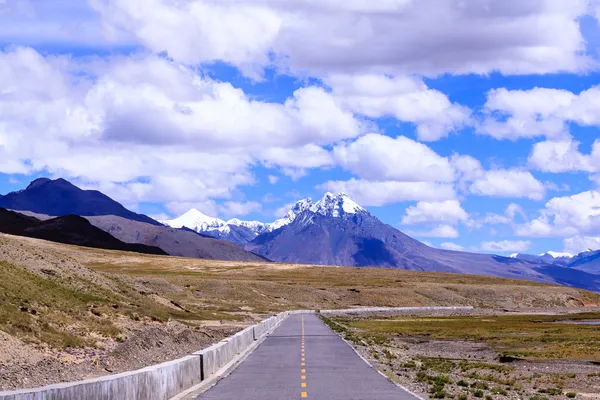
[[59, 197], [69, 229], [176, 242], [587, 262], [336, 231]]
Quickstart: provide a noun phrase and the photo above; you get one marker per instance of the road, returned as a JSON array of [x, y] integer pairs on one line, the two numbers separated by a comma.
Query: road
[[303, 358]]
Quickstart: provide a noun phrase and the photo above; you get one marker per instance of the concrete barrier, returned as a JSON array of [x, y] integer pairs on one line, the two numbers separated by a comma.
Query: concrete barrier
[[391, 309], [166, 380], [161, 381]]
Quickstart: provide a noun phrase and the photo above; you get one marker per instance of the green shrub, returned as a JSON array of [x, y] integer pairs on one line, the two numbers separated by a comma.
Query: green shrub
[[480, 385], [500, 391], [463, 383], [571, 395], [462, 397], [551, 391], [478, 393]]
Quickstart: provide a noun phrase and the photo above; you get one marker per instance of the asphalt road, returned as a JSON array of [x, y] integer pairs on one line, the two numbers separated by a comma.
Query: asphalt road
[[303, 358]]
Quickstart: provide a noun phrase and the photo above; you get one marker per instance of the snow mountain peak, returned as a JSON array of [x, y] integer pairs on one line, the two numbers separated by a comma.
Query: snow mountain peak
[[336, 205]]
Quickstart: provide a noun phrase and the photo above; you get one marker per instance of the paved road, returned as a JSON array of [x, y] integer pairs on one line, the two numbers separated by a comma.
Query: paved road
[[303, 358]]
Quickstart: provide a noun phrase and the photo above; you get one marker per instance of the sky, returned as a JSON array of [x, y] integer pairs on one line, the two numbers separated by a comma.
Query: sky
[[468, 124]]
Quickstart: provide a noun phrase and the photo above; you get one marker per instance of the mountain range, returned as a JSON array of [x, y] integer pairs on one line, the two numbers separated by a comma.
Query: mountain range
[[587, 261], [334, 230]]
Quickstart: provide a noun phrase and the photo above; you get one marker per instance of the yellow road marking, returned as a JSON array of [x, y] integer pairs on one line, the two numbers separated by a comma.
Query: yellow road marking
[[302, 364], [303, 377], [303, 384], [303, 371], [303, 395]]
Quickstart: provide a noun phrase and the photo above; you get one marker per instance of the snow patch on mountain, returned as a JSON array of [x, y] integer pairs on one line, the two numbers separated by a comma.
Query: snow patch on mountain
[[198, 221], [256, 227], [336, 205], [298, 208], [555, 254]]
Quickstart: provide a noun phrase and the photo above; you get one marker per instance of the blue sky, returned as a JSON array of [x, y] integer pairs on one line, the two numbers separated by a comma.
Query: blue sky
[[467, 124]]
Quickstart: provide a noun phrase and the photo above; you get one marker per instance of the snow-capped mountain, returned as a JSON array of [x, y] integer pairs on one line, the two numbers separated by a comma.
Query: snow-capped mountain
[[555, 254], [337, 231], [336, 205], [255, 226], [298, 208], [235, 230], [197, 221], [241, 232], [549, 257]]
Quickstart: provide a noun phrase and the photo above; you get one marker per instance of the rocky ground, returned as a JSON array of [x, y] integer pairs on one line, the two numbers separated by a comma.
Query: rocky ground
[[23, 365], [461, 369]]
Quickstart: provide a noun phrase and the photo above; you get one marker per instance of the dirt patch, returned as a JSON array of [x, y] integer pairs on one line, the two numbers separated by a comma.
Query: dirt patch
[[23, 366]]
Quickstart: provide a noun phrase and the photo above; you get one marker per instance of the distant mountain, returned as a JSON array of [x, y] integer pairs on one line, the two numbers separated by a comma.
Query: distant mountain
[[550, 257], [176, 242], [337, 231], [588, 261], [234, 230], [59, 197], [69, 229]]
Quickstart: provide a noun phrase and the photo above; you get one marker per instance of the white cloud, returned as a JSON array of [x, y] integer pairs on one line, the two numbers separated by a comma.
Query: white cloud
[[440, 231], [564, 156], [451, 246], [505, 246], [307, 156], [273, 179], [142, 127], [454, 36], [508, 183], [236, 209], [407, 99], [380, 157], [379, 193], [514, 114], [574, 215], [513, 210], [449, 212], [578, 244]]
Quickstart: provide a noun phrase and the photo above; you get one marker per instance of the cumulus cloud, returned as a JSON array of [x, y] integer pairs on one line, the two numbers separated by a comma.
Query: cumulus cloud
[[449, 212], [144, 127], [574, 215], [451, 246], [578, 244], [440, 231], [406, 98], [379, 193], [235, 208], [380, 157], [514, 114], [453, 36], [505, 246], [508, 183], [564, 156]]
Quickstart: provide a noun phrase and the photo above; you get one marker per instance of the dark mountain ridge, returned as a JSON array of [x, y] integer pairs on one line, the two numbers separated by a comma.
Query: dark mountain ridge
[[68, 229], [59, 197]]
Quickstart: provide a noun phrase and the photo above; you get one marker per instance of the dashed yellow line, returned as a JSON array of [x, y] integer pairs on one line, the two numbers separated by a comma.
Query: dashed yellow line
[[302, 364]]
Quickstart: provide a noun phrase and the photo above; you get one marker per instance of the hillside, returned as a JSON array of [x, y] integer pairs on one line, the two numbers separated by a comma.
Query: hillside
[[68, 229], [176, 242], [68, 312]]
